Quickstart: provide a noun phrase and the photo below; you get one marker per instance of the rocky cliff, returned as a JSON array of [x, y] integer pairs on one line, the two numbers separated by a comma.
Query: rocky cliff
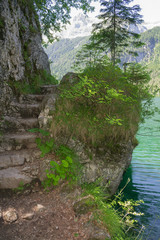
[[21, 53], [21, 59]]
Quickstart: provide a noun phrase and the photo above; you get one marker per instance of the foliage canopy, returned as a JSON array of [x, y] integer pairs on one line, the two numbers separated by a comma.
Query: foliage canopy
[[104, 105], [54, 15]]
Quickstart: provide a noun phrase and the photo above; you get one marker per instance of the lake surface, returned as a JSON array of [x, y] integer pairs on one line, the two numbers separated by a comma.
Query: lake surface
[[144, 173]]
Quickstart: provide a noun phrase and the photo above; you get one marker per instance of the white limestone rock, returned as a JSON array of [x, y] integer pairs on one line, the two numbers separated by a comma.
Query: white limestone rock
[[11, 178], [10, 215]]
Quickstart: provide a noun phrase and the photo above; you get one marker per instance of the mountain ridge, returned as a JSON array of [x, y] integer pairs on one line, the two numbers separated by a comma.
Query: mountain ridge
[[62, 54]]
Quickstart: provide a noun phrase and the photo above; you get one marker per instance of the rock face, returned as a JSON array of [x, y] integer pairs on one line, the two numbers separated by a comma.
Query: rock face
[[20, 41], [48, 106], [21, 53], [105, 165]]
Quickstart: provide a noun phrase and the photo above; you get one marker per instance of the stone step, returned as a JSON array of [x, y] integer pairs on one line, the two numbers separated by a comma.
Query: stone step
[[31, 98], [13, 124], [17, 158], [18, 141], [11, 178], [27, 110], [45, 89]]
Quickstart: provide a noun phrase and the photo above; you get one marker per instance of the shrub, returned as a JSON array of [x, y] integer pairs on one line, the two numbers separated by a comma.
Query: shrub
[[65, 168], [104, 106], [114, 214]]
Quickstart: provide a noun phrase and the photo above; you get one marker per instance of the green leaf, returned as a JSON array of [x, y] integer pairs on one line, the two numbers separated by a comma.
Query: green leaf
[[45, 149], [65, 164], [50, 143], [33, 130], [57, 178], [42, 155], [38, 141], [49, 175], [63, 176], [69, 159], [53, 164], [44, 133]]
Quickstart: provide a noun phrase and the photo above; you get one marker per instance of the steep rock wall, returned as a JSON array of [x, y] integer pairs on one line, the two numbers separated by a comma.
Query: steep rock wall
[[103, 165], [21, 53]]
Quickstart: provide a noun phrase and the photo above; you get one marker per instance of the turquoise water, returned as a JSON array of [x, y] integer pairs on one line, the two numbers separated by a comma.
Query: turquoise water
[[144, 173]]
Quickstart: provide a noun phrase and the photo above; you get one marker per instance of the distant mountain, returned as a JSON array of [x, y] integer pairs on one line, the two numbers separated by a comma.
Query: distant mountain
[[152, 53], [150, 25], [149, 54], [137, 28], [80, 26], [62, 53]]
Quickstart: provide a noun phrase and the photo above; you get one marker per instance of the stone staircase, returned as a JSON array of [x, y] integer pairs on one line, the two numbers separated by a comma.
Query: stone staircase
[[19, 158]]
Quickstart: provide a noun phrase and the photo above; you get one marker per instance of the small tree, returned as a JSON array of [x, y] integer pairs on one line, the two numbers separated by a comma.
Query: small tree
[[88, 56], [113, 30]]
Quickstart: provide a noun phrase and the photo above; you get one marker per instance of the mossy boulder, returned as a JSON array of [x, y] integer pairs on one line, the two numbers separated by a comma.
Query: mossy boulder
[[70, 78]]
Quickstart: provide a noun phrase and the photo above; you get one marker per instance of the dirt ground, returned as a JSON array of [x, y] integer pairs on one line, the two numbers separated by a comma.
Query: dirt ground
[[35, 214]]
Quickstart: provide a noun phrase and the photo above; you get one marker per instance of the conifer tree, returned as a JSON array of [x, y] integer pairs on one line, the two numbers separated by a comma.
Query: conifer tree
[[113, 31], [88, 56]]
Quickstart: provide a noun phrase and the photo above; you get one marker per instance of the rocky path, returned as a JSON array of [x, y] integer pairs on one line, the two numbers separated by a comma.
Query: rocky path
[[38, 215], [19, 158], [32, 213]]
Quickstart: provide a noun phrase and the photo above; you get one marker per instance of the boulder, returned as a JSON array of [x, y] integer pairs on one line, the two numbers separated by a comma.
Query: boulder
[[70, 78], [12, 177], [46, 114], [10, 215], [107, 167]]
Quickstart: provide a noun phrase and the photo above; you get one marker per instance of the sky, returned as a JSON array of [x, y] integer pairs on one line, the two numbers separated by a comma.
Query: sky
[[150, 11]]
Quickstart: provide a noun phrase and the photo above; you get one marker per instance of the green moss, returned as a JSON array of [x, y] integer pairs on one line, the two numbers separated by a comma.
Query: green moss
[[36, 80], [33, 29], [2, 22], [10, 6], [29, 3], [2, 27], [37, 22], [135, 142], [22, 28], [85, 205]]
